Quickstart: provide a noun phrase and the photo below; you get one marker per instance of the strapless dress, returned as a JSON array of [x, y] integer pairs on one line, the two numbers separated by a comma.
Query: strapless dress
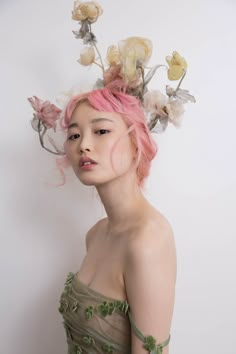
[[95, 323]]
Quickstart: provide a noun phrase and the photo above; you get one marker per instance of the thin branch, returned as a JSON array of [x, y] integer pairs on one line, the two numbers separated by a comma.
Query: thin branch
[[100, 57], [181, 81], [99, 65]]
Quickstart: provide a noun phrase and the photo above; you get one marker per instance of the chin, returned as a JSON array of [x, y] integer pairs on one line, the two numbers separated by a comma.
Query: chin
[[95, 180]]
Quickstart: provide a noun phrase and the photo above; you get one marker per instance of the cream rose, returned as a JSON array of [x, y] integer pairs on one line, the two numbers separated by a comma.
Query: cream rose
[[89, 10], [87, 56], [134, 51]]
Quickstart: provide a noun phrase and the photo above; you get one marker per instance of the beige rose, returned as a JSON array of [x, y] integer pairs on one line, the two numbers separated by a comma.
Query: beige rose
[[134, 51], [87, 56], [88, 10], [177, 66], [113, 55]]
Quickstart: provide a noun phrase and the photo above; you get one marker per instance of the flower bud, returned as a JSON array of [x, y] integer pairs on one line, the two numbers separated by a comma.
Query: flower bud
[[113, 55], [87, 56], [177, 66]]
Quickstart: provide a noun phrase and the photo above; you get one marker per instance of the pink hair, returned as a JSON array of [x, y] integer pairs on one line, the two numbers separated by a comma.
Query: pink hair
[[112, 99]]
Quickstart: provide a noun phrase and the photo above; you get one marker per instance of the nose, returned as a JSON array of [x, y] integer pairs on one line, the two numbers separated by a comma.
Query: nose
[[85, 144], [82, 150]]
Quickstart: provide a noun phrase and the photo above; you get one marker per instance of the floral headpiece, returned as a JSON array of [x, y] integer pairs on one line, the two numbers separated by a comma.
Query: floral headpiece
[[125, 62]]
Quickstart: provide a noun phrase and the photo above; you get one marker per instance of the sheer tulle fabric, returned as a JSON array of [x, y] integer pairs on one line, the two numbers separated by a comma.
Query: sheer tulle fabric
[[98, 334]]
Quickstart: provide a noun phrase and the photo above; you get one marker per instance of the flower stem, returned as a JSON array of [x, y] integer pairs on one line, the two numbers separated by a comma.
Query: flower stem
[[181, 81], [99, 54], [100, 57], [99, 65]]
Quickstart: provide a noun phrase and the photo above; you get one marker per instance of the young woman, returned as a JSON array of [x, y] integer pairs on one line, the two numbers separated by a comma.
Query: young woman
[[121, 300]]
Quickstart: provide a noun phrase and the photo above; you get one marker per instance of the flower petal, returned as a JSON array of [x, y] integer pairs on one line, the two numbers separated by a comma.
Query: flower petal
[[87, 56]]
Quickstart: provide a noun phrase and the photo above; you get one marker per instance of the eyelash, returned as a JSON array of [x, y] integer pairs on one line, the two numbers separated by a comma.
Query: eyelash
[[70, 138]]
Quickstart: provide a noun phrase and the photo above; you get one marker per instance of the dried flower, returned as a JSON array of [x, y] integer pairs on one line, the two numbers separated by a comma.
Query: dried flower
[[89, 10], [87, 56], [134, 52], [111, 74], [175, 110], [177, 66], [45, 111], [113, 55], [181, 95], [85, 33], [155, 101]]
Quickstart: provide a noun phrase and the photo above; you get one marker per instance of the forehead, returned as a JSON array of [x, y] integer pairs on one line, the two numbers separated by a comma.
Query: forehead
[[85, 114]]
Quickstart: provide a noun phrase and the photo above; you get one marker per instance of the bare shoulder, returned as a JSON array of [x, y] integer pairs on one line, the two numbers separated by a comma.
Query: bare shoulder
[[154, 231], [93, 231]]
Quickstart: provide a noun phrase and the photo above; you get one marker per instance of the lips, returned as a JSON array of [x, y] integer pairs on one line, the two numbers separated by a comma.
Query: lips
[[86, 159]]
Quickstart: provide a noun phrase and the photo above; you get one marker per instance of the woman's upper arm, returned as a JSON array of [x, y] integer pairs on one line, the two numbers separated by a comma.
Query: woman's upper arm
[[150, 277]]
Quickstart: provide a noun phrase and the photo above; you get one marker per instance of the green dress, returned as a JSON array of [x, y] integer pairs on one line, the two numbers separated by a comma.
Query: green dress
[[95, 323]]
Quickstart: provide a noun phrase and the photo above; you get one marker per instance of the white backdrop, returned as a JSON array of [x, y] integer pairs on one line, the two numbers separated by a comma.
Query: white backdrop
[[192, 182]]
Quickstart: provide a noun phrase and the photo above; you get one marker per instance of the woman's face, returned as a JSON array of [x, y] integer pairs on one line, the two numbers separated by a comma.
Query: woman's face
[[93, 134]]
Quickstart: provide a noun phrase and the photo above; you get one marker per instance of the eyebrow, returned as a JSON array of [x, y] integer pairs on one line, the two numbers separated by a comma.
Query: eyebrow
[[95, 120]]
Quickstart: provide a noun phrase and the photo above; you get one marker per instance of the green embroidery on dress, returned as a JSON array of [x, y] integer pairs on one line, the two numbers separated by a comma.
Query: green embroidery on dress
[[123, 306], [107, 348], [108, 307], [89, 312], [68, 285], [69, 277], [149, 343], [64, 306], [78, 350], [88, 340], [75, 306]]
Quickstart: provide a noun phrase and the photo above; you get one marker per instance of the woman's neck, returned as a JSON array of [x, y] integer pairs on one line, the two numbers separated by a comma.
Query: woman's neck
[[123, 201]]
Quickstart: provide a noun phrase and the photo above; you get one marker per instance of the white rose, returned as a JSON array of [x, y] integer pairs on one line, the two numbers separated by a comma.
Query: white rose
[[155, 101], [175, 111]]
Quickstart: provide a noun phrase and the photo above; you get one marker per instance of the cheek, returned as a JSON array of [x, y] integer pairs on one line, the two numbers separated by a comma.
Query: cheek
[[68, 151], [122, 155]]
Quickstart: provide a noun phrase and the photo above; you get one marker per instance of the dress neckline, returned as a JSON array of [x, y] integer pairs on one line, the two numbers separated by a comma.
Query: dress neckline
[[95, 291]]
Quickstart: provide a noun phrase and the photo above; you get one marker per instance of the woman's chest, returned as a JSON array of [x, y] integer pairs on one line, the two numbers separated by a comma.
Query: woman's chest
[[102, 267]]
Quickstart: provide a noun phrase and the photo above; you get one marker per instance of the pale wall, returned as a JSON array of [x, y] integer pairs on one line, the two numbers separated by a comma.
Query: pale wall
[[193, 179]]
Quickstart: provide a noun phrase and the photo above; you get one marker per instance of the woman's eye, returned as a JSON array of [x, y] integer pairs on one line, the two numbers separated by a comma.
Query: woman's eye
[[99, 132], [72, 137], [102, 131]]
